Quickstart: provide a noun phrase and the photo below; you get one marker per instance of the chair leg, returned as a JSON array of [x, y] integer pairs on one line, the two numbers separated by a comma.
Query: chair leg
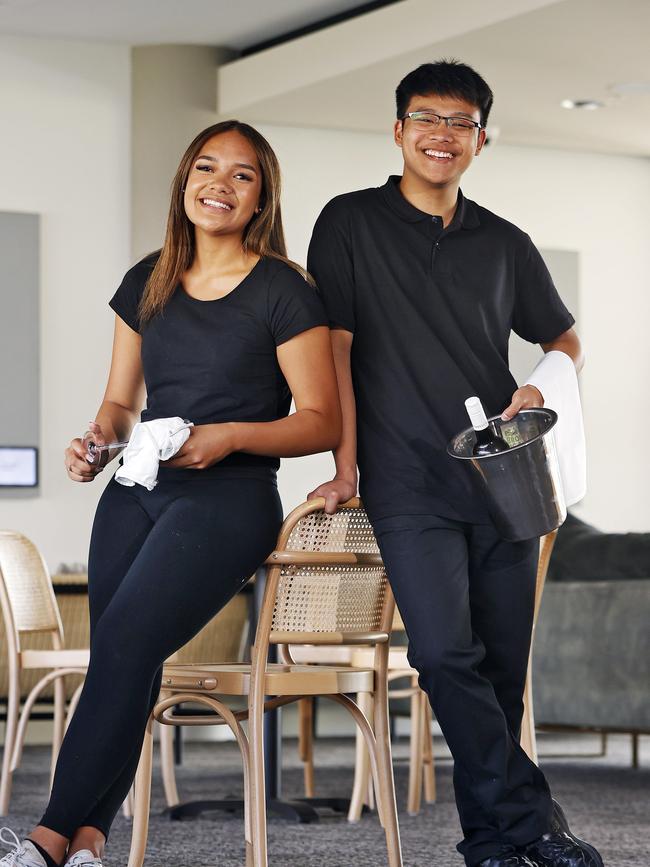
[[58, 724], [306, 742], [385, 785], [528, 740], [142, 800], [257, 789], [416, 752], [166, 735], [13, 707], [74, 701], [362, 775], [128, 805], [428, 758]]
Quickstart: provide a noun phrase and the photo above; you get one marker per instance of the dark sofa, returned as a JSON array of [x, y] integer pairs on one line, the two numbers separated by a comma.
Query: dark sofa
[[591, 662]]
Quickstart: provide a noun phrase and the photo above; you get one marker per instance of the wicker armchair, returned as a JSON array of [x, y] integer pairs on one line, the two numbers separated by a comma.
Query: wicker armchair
[[326, 585]]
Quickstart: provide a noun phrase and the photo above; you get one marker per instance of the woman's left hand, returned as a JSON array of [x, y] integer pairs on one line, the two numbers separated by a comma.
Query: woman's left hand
[[525, 397], [207, 445]]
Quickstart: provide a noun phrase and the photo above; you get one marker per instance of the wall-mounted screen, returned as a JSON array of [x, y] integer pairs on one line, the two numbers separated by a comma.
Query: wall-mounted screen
[[18, 467]]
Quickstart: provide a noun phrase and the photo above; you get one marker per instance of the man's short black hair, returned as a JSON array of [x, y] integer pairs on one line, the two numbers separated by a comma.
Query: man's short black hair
[[445, 78]]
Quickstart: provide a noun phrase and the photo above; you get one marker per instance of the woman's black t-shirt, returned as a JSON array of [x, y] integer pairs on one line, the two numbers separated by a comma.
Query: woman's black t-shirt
[[215, 361]]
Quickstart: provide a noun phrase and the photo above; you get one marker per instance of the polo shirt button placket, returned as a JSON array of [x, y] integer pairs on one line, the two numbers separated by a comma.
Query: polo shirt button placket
[[436, 225]]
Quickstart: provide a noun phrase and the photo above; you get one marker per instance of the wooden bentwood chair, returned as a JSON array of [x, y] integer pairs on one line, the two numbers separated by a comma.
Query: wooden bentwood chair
[[421, 759], [326, 585], [422, 778], [29, 607]]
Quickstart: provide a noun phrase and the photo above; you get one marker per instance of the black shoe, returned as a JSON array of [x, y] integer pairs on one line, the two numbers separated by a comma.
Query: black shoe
[[512, 860], [561, 848]]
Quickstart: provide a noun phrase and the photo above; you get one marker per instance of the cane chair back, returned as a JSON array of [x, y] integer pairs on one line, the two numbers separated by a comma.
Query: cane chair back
[[26, 590], [346, 530], [331, 583]]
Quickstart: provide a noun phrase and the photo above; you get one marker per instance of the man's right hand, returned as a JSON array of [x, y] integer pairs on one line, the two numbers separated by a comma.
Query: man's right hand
[[337, 491]]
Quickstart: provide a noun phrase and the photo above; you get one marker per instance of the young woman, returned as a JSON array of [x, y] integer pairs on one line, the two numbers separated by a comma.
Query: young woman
[[221, 329]]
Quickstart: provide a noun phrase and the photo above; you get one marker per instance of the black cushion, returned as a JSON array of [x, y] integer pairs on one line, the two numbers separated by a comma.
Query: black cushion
[[583, 553]]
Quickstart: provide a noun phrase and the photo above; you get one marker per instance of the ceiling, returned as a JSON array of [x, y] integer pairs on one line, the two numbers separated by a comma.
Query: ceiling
[[534, 53], [224, 23]]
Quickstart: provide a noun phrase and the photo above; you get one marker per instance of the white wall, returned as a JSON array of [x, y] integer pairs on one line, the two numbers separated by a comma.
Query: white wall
[[64, 154], [173, 98], [595, 205]]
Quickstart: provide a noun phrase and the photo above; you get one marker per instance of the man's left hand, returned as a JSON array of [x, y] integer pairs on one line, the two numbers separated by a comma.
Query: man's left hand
[[525, 397]]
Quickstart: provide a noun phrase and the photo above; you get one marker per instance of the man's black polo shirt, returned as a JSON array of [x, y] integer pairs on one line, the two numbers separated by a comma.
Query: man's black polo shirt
[[431, 310]]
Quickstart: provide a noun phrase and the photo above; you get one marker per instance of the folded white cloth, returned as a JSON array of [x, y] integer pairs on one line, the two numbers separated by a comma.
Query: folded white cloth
[[555, 377], [151, 442]]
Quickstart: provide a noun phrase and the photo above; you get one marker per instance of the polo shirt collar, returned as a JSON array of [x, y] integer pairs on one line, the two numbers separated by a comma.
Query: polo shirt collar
[[466, 216]]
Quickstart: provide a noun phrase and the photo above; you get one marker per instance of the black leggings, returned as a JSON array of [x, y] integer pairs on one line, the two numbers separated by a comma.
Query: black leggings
[[162, 564]]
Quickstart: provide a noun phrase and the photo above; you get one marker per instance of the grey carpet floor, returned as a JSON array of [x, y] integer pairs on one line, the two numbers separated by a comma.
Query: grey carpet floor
[[607, 801]]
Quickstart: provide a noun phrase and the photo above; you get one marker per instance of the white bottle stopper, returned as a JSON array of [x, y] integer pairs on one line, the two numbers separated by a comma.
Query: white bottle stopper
[[476, 413]]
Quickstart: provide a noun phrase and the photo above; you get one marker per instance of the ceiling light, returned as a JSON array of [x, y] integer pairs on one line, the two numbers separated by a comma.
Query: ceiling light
[[584, 104]]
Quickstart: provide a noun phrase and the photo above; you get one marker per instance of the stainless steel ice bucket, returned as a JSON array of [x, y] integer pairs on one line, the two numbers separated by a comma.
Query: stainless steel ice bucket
[[523, 485]]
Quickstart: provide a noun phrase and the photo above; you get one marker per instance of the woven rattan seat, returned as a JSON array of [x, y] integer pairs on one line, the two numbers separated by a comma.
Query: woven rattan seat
[[326, 585]]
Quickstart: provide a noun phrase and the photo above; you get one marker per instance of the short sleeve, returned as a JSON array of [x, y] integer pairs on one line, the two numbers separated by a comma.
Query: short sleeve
[[539, 313], [293, 305], [126, 300], [330, 262]]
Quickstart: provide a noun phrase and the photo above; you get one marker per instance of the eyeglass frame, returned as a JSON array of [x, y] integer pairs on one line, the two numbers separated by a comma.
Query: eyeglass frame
[[447, 119]]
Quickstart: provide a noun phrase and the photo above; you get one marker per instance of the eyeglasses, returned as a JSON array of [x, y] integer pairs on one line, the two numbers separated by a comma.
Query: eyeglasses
[[426, 121]]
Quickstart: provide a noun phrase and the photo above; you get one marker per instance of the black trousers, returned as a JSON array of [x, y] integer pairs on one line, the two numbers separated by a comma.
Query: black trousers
[[162, 564], [467, 599]]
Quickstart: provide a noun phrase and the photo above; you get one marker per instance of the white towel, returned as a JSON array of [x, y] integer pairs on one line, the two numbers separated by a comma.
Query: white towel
[[555, 377], [151, 442]]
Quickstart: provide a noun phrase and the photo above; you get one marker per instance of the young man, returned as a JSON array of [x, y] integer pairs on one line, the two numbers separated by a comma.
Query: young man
[[422, 289]]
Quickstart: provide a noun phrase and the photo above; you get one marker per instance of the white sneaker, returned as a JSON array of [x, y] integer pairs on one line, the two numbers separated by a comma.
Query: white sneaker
[[84, 858], [25, 854]]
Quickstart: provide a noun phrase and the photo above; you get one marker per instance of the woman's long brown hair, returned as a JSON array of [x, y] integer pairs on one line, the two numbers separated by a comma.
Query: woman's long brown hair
[[263, 235]]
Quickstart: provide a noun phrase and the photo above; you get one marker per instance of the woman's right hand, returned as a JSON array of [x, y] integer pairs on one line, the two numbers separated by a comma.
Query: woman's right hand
[[77, 465]]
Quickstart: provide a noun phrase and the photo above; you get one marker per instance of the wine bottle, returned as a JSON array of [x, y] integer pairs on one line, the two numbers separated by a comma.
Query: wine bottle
[[487, 442]]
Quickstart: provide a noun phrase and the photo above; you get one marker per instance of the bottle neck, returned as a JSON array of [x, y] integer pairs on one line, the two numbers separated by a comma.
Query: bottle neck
[[483, 435]]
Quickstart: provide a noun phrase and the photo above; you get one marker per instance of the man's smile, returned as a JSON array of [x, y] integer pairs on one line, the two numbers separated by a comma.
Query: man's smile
[[438, 155]]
